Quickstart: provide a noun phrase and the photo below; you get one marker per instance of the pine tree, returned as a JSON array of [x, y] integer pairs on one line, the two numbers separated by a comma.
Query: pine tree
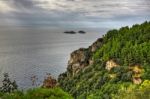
[[8, 86]]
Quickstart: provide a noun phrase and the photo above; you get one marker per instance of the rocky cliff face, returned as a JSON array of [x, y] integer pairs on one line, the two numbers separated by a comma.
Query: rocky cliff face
[[81, 58], [96, 45], [78, 60]]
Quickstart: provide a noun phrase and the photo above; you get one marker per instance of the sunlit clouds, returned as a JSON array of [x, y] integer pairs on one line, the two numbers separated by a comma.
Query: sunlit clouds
[[5, 8]]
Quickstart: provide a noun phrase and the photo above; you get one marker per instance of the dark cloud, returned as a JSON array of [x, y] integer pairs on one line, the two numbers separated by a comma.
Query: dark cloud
[[24, 3], [76, 12]]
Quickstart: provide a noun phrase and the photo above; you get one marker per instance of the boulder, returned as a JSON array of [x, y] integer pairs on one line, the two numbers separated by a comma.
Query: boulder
[[111, 64]]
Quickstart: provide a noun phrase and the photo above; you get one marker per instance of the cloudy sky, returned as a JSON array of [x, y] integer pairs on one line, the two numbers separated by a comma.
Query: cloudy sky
[[73, 13]]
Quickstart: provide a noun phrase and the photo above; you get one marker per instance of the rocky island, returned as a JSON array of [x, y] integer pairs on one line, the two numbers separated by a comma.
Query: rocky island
[[70, 32], [81, 32], [115, 66]]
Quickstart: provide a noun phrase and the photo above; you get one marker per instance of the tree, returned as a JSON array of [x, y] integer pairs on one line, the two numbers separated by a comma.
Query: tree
[[8, 86]]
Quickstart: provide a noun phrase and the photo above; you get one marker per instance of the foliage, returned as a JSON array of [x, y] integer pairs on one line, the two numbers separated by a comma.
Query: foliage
[[143, 92], [8, 86], [37, 93], [129, 46], [9, 91]]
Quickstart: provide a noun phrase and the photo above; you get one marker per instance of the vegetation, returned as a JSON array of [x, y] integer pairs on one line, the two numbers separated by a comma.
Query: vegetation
[[8, 86], [9, 91], [132, 93], [37, 93], [120, 70], [129, 48]]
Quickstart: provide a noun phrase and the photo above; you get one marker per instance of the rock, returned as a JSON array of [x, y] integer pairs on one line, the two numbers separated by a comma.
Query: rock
[[137, 69], [111, 64], [96, 45], [81, 32], [137, 72], [78, 60], [78, 56], [137, 80], [70, 32], [81, 58], [91, 61]]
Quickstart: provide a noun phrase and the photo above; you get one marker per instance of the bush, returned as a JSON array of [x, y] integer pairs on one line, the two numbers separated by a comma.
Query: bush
[[37, 93]]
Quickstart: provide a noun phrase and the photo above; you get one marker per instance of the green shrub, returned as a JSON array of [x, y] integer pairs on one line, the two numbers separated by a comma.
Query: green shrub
[[38, 93]]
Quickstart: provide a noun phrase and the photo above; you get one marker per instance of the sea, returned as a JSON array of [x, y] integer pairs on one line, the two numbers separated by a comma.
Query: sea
[[28, 54]]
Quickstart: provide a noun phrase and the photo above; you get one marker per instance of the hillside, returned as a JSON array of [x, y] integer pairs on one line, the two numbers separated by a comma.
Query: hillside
[[115, 66]]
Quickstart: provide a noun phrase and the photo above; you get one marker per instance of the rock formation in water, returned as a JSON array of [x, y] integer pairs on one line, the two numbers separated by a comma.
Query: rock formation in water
[[81, 32]]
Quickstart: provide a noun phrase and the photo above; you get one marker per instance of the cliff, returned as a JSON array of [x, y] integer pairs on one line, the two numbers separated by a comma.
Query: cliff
[[117, 62], [82, 57]]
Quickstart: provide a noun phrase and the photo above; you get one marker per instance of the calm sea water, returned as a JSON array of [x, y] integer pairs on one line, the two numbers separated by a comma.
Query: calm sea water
[[28, 52]]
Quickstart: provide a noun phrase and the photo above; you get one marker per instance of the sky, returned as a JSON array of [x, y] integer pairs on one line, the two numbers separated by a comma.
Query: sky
[[73, 13]]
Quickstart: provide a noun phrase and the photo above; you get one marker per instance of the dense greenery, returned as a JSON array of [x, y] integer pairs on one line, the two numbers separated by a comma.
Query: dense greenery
[[128, 46], [132, 93], [37, 93]]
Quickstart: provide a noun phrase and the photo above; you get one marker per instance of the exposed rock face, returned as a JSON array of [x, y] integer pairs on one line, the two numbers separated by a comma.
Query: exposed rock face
[[96, 45], [49, 82], [78, 56], [137, 80], [111, 64], [137, 71], [78, 60], [81, 58]]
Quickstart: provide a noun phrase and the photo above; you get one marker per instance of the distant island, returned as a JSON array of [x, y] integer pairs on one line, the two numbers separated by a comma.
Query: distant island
[[82, 32], [116, 66], [73, 32], [70, 32]]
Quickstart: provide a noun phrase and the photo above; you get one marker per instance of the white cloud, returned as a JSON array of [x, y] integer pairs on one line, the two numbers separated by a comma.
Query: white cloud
[[97, 7], [68, 11], [5, 8]]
